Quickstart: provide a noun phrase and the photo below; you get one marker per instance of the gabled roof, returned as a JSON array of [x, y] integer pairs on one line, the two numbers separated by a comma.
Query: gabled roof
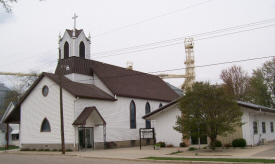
[[81, 119], [8, 110], [161, 108], [256, 107], [77, 32], [76, 89], [240, 103], [79, 89], [121, 81]]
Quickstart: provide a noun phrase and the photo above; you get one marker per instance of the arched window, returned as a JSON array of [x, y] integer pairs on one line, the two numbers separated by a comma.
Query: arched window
[[132, 115], [160, 105], [45, 126], [82, 50], [147, 110], [66, 50]]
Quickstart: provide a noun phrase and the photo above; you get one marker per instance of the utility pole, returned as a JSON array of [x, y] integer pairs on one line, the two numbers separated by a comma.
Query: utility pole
[[61, 104]]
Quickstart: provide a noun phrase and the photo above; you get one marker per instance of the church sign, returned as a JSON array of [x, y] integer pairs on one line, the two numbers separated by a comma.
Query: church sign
[[146, 133]]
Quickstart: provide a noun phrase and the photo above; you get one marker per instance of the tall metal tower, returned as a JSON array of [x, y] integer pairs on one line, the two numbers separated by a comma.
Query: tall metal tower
[[189, 63]]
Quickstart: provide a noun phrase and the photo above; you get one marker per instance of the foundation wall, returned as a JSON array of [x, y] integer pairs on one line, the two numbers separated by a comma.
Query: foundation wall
[[48, 146], [97, 145]]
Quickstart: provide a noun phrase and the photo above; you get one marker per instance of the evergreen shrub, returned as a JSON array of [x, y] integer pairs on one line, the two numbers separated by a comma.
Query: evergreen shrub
[[240, 142]]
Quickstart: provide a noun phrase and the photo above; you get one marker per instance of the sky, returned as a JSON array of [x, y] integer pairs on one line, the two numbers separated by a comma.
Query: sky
[[150, 33]]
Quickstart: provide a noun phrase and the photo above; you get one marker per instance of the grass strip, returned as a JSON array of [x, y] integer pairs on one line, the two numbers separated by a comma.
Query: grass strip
[[10, 147], [213, 159]]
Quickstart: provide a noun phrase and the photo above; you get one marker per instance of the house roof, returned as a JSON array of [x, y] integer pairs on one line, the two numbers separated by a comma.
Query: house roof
[[2, 116], [256, 107], [3, 127], [177, 90], [121, 81], [81, 119], [76, 89], [240, 103], [161, 109], [79, 89]]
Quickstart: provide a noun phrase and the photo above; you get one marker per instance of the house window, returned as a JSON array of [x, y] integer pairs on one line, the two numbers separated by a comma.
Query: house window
[[263, 127], [255, 127], [15, 137], [66, 50], [45, 126], [147, 110], [45, 90], [82, 50], [271, 127], [160, 105], [132, 115]]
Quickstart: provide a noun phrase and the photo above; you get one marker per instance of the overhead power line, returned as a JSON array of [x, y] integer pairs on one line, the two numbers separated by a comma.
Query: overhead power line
[[189, 36], [151, 19], [51, 63], [176, 69], [27, 58]]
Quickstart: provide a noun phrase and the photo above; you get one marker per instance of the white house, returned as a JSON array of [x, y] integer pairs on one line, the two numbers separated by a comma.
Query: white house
[[14, 131], [258, 127], [101, 102], [3, 133]]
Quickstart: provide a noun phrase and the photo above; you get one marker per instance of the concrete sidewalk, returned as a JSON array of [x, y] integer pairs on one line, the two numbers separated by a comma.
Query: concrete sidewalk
[[134, 153]]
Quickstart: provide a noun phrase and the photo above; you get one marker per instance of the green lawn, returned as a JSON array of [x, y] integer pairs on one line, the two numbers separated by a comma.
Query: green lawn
[[213, 159], [10, 147]]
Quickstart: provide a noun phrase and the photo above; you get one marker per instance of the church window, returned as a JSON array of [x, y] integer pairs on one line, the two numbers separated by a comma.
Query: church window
[[45, 90], [160, 105], [45, 126], [132, 115], [147, 110], [66, 50], [82, 50]]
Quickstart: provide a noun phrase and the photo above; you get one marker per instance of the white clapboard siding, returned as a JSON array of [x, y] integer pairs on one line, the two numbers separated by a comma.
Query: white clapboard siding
[[74, 50], [36, 107], [251, 116], [164, 126], [117, 117]]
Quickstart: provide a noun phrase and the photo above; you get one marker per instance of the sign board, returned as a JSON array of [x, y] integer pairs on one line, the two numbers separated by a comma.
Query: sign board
[[146, 133]]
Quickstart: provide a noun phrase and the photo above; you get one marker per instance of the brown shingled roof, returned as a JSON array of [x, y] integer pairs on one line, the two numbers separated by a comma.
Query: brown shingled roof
[[81, 90], [76, 89], [77, 32], [122, 81], [81, 119]]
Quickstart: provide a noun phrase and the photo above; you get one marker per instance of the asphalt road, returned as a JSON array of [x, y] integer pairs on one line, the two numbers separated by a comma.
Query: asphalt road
[[46, 159]]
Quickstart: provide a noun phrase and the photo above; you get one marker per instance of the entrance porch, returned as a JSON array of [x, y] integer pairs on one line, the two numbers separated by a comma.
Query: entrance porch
[[89, 134]]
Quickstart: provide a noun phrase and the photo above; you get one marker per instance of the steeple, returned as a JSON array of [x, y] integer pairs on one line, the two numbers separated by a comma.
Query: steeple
[[74, 43]]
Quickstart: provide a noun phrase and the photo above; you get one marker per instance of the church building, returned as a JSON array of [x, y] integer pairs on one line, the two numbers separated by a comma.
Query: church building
[[101, 102]]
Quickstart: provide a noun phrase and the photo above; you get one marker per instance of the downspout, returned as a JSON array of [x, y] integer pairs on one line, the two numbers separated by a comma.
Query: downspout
[[75, 127]]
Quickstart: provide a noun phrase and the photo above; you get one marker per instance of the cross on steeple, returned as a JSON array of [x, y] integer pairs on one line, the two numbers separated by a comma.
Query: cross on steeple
[[74, 17]]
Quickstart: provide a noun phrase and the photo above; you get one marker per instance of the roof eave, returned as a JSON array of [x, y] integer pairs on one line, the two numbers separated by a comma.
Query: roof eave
[[161, 109]]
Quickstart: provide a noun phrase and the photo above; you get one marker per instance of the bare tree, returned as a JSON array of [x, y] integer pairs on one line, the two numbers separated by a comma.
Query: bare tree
[[237, 82], [6, 5]]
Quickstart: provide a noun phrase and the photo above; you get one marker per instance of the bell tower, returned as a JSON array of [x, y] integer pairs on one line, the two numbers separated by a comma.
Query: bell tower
[[74, 43]]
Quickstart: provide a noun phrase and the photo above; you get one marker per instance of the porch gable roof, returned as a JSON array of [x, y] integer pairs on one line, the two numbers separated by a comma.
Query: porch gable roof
[[81, 119]]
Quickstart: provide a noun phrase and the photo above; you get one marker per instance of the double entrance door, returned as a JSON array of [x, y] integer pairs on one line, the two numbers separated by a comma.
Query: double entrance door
[[86, 138]]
